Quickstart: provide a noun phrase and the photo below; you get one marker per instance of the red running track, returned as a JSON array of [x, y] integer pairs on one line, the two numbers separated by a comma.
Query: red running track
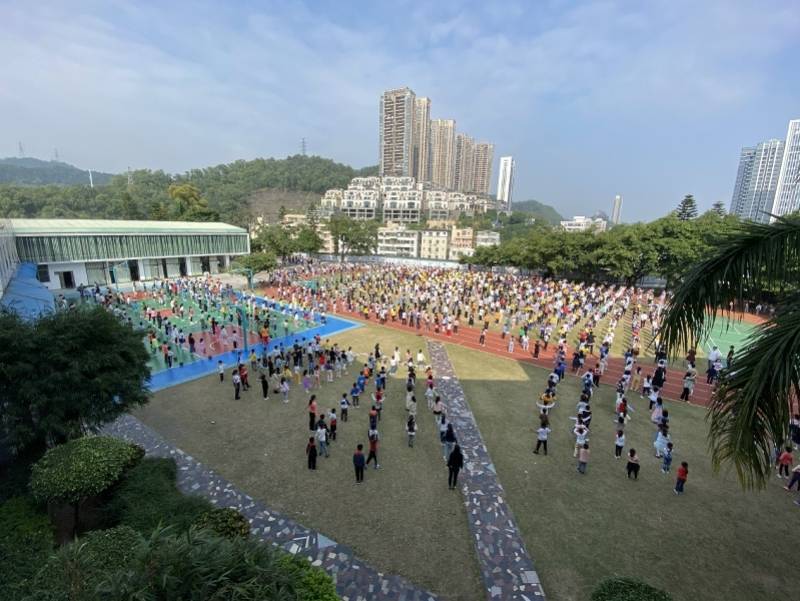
[[468, 337]]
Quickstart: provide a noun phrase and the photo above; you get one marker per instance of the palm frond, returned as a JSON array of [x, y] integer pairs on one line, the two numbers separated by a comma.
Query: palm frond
[[750, 410], [753, 259]]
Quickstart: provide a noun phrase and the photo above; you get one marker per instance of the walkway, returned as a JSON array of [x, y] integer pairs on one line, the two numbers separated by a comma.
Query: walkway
[[355, 580], [506, 568]]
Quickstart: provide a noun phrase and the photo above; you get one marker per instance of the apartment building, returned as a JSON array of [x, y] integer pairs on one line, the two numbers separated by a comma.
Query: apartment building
[[421, 139], [443, 142], [581, 223], [486, 238], [484, 155], [438, 207], [464, 175], [397, 108], [433, 244], [395, 240], [505, 183]]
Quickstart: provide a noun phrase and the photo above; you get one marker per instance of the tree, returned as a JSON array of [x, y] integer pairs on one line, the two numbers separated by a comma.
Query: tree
[[307, 240], [750, 410], [189, 204], [351, 236], [67, 373], [687, 209], [259, 261], [719, 208], [275, 239]]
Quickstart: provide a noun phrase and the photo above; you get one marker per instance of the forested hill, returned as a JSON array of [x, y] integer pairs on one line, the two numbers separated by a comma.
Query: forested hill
[[227, 188], [28, 171], [540, 210]]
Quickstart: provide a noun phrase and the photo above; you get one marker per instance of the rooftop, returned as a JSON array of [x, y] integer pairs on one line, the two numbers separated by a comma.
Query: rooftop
[[30, 227]]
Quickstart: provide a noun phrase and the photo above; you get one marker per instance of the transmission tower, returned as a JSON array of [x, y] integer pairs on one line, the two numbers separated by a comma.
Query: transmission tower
[[303, 146], [55, 154], [21, 149], [130, 178]]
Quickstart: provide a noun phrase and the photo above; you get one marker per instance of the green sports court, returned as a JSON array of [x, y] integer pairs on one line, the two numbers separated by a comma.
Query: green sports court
[[727, 332]]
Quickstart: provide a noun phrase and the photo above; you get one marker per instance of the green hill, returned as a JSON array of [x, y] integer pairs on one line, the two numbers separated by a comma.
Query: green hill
[[28, 171], [540, 210]]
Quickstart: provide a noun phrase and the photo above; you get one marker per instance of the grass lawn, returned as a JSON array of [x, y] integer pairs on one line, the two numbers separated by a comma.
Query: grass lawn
[[714, 542], [403, 519]]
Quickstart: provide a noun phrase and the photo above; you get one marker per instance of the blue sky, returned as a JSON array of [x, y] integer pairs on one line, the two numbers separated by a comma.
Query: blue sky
[[652, 100]]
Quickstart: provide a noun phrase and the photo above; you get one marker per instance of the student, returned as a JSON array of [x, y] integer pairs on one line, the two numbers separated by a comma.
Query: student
[[312, 412], [619, 444], [633, 464], [581, 436], [284, 388], [344, 404], [358, 463], [784, 461], [237, 384], [583, 458], [541, 438], [332, 423], [454, 464], [373, 448], [795, 478], [411, 430], [449, 441], [683, 475], [322, 437], [264, 385], [221, 371], [311, 453], [354, 394], [666, 464]]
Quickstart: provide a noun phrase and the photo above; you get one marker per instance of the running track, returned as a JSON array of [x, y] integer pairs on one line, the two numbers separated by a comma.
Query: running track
[[468, 337]]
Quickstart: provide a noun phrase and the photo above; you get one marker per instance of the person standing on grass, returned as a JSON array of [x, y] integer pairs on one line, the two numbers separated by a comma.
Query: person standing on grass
[[784, 462], [221, 371], [237, 384], [683, 476], [619, 444], [541, 438], [354, 394], [312, 412], [311, 453], [264, 385], [359, 463], [284, 388], [373, 448], [583, 458], [449, 441], [344, 405], [795, 478], [666, 464], [581, 436], [688, 384], [633, 464], [332, 423], [322, 437], [454, 464], [411, 430]]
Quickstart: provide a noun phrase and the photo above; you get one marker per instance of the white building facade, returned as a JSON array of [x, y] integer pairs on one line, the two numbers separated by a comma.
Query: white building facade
[[787, 192], [757, 180], [505, 183]]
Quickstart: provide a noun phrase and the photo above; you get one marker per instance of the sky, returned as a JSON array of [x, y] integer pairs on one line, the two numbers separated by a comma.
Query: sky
[[652, 100]]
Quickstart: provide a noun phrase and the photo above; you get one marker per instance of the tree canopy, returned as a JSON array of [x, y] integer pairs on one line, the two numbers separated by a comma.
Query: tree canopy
[[67, 373], [687, 209]]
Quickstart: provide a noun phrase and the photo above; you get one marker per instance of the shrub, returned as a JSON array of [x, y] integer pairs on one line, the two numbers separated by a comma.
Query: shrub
[[627, 589], [82, 468], [312, 583], [26, 540], [76, 570], [147, 496], [225, 522]]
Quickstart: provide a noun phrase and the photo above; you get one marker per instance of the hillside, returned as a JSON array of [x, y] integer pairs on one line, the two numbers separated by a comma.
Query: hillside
[[237, 191], [28, 171], [540, 210]]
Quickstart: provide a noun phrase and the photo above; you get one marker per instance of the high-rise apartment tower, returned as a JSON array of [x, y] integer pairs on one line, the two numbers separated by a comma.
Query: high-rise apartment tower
[[505, 183], [396, 132]]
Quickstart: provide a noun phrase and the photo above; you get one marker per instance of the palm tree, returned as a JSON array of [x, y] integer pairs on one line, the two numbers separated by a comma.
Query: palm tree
[[750, 410]]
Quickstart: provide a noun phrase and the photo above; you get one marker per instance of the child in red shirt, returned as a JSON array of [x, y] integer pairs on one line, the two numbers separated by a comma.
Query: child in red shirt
[[784, 462], [683, 475]]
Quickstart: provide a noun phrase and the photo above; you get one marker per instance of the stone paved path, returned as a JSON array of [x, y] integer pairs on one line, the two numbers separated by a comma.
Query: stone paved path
[[355, 580], [506, 568]]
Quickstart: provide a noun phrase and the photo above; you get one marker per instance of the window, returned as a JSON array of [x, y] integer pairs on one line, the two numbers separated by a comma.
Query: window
[[42, 273]]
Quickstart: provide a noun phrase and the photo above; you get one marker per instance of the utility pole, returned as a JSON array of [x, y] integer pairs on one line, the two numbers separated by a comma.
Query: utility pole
[[303, 146]]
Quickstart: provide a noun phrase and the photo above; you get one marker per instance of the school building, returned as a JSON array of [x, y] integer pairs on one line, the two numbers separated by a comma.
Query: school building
[[71, 252]]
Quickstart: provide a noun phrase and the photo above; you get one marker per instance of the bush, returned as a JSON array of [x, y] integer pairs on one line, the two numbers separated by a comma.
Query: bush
[[197, 564], [628, 589], [26, 541], [225, 522], [146, 497], [82, 468], [76, 570]]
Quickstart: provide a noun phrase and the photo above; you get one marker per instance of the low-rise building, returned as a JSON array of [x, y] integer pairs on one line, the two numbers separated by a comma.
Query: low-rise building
[[402, 206], [487, 238], [581, 223], [434, 244], [462, 237], [395, 240], [358, 204], [455, 254]]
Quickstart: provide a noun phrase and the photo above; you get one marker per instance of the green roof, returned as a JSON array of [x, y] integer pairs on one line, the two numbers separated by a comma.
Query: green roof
[[31, 227]]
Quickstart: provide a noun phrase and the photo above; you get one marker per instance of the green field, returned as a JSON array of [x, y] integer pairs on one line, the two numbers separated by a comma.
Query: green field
[[715, 542]]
